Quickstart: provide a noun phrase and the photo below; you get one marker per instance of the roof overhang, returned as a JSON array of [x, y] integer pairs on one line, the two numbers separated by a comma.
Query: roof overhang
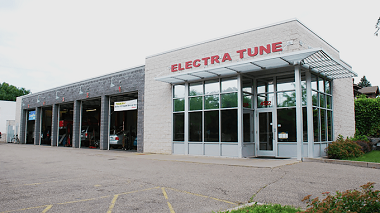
[[313, 59]]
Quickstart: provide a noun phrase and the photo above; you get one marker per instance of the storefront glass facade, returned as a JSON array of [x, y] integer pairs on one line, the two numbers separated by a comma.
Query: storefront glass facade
[[207, 115]]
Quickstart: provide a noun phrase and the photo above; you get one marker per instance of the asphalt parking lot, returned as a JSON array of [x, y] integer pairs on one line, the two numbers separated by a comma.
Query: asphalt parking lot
[[58, 179]]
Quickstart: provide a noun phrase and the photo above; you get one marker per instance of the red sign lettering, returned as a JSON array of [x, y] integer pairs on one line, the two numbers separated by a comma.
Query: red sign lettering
[[251, 52], [214, 58], [266, 103], [188, 65]]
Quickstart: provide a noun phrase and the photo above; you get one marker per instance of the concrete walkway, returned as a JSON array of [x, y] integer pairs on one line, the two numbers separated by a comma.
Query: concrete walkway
[[248, 162]]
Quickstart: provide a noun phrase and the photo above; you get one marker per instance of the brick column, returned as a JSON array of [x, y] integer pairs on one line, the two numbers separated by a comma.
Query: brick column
[[76, 124], [37, 127], [54, 125], [104, 123], [23, 121]]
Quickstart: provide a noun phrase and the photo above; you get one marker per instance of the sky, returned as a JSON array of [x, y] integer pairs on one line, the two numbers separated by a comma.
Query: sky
[[49, 43]]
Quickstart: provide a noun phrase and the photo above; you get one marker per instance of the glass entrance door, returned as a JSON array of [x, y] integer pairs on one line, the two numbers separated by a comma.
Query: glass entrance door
[[266, 134]]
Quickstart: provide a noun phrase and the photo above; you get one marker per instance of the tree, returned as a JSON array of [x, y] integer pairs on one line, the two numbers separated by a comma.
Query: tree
[[10, 92], [364, 82]]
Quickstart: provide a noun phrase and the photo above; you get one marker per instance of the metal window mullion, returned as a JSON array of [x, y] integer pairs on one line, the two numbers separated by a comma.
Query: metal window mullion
[[220, 117], [309, 108], [203, 119], [186, 120], [58, 117], [240, 117], [255, 119], [109, 121], [332, 110], [80, 123], [299, 126], [274, 117], [40, 126]]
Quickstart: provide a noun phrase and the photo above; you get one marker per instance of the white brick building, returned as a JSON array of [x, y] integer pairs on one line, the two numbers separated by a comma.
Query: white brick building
[[291, 88]]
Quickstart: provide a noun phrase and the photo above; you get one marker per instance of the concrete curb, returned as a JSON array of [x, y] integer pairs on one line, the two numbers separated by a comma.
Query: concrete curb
[[344, 162]]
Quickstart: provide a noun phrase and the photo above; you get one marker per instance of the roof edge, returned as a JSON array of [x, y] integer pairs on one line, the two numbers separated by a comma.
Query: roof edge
[[83, 81], [241, 32]]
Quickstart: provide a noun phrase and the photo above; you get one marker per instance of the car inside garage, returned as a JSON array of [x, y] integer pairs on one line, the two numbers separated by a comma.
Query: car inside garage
[[90, 124], [123, 122]]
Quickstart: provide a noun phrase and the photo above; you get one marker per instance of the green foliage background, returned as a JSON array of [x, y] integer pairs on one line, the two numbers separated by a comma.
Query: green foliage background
[[367, 116], [10, 92]]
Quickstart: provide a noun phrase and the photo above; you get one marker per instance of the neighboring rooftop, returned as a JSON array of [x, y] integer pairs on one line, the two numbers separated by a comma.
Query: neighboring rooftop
[[368, 90]]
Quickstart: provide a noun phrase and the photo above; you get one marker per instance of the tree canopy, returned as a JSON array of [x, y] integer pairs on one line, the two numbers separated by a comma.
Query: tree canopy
[[10, 92], [364, 82]]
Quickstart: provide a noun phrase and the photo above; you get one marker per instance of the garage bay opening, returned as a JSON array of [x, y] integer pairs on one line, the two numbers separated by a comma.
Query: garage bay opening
[[123, 122]]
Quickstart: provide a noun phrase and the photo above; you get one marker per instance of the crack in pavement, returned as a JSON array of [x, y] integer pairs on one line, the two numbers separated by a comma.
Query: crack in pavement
[[258, 191]]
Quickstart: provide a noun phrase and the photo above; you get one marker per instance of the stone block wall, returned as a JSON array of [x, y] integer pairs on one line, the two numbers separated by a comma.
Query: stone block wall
[[344, 108], [158, 102]]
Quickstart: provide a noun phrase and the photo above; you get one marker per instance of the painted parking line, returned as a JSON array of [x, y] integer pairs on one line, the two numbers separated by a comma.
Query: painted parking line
[[112, 203], [47, 208], [116, 196], [36, 207], [205, 196], [166, 197]]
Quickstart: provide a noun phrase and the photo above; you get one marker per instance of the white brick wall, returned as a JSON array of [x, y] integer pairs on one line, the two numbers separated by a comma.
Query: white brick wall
[[343, 106], [158, 103]]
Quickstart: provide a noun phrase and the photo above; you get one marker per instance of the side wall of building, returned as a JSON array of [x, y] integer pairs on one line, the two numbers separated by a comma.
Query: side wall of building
[[7, 112], [119, 83], [158, 103], [344, 108]]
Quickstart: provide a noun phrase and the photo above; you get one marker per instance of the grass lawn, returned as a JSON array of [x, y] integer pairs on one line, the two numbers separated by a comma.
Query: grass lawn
[[373, 156], [268, 208]]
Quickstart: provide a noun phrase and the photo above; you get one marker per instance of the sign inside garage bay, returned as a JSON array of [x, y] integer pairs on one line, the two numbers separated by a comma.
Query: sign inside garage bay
[[125, 105]]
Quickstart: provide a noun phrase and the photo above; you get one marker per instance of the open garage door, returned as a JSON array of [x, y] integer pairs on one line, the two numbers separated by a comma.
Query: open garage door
[[30, 126], [123, 122], [65, 124], [90, 123], [46, 118]]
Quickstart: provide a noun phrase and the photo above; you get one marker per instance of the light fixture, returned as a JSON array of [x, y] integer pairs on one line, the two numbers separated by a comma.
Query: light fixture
[[112, 85]]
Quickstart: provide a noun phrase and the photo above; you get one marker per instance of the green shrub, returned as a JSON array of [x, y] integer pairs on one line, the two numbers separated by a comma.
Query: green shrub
[[367, 116], [343, 149], [267, 208], [365, 200]]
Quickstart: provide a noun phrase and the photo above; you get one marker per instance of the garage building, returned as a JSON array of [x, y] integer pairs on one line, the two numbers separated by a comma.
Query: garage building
[[278, 90]]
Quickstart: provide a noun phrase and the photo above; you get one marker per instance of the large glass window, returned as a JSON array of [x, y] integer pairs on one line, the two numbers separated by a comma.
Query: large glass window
[[265, 93], [322, 108], [286, 122], [210, 117], [229, 96], [316, 124], [212, 102], [178, 95], [211, 126], [211, 87], [178, 127], [229, 100], [247, 127], [265, 85], [265, 100], [229, 125], [195, 126]]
